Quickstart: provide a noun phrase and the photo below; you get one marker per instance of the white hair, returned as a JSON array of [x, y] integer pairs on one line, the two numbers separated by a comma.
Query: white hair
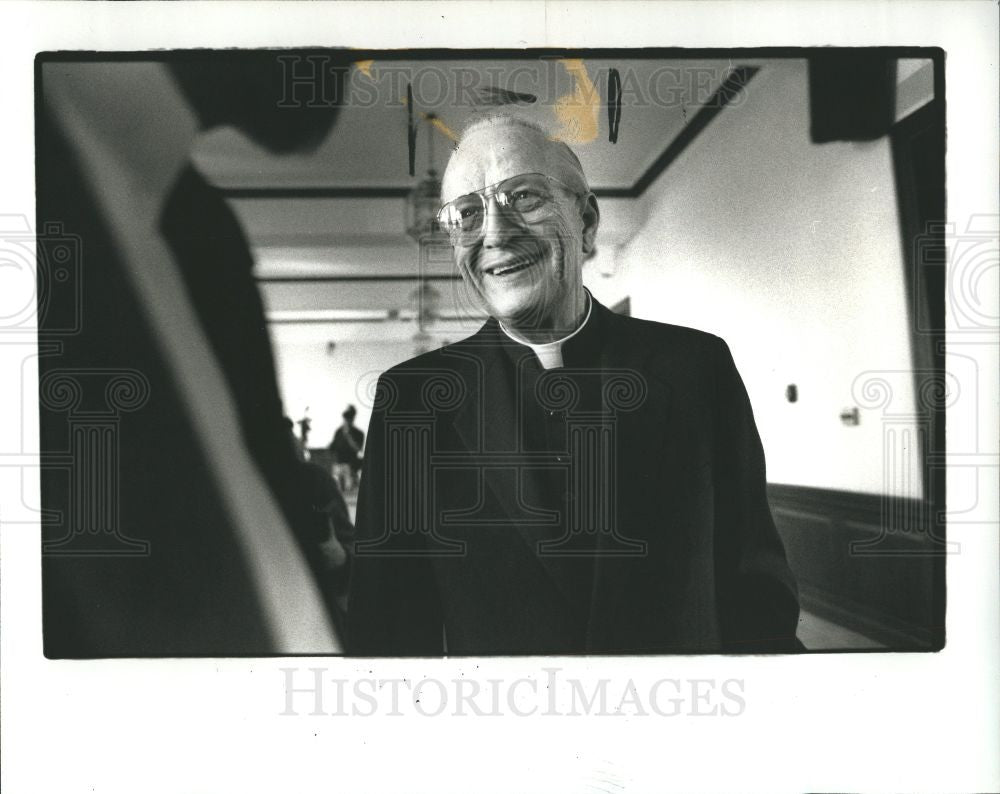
[[562, 156]]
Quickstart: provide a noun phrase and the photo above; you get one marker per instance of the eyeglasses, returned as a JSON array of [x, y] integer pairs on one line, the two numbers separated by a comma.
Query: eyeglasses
[[529, 197]]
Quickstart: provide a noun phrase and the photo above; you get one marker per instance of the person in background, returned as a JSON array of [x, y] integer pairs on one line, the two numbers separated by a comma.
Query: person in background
[[297, 445], [346, 446], [332, 534]]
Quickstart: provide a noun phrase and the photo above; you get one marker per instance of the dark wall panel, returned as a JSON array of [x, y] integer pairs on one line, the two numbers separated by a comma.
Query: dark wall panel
[[866, 562]]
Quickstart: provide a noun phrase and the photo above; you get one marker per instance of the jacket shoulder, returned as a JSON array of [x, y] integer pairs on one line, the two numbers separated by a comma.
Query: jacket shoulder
[[439, 379], [666, 336], [452, 366], [448, 357]]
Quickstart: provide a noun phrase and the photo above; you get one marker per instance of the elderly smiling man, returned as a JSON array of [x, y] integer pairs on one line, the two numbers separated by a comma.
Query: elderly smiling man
[[565, 480]]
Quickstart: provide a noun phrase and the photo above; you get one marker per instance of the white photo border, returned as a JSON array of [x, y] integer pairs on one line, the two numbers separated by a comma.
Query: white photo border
[[838, 722]]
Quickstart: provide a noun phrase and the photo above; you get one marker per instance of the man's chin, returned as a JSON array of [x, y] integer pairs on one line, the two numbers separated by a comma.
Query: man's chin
[[513, 313]]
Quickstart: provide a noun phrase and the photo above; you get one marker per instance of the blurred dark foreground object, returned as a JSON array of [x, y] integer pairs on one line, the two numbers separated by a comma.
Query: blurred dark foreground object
[[180, 523], [851, 99]]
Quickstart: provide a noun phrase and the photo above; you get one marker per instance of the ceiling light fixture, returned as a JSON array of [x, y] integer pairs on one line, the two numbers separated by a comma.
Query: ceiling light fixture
[[424, 200]]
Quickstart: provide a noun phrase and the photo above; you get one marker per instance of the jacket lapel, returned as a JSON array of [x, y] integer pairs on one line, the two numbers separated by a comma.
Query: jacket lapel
[[489, 422], [490, 426], [637, 395]]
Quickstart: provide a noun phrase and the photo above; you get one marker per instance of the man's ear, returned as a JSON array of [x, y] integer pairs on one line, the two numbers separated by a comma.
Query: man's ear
[[591, 216]]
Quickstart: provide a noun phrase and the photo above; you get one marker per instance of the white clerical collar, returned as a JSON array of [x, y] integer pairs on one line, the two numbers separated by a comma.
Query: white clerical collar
[[550, 353]]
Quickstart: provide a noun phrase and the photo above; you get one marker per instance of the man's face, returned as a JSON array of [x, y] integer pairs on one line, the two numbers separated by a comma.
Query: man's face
[[526, 274]]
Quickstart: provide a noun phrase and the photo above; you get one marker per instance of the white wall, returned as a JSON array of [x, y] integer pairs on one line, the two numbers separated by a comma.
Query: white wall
[[791, 252]]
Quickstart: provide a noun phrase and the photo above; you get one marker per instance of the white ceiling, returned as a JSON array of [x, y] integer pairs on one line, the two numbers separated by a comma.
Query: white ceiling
[[368, 145]]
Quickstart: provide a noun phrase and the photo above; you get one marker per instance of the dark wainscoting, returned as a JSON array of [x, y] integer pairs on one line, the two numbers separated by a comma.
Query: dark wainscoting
[[866, 562]]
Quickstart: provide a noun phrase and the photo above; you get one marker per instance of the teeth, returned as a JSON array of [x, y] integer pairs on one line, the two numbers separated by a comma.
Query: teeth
[[508, 269]]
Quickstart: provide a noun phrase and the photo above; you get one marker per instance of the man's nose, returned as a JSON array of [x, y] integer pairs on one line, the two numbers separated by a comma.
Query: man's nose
[[498, 225]]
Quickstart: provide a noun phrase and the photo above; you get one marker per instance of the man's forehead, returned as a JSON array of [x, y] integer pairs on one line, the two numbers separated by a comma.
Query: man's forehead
[[490, 155]]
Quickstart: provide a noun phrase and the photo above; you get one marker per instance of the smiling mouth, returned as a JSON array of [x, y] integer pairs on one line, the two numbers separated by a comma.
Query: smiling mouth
[[509, 269]]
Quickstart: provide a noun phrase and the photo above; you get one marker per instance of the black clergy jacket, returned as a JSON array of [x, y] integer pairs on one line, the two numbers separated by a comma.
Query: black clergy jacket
[[615, 505]]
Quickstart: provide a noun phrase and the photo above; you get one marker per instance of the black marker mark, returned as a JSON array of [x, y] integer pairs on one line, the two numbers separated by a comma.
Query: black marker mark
[[501, 96], [411, 127], [614, 104]]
